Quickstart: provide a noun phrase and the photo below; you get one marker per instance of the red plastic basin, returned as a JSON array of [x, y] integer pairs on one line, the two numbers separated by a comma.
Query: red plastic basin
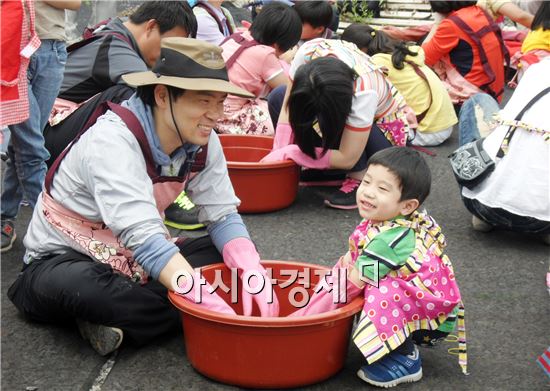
[[261, 187], [255, 352]]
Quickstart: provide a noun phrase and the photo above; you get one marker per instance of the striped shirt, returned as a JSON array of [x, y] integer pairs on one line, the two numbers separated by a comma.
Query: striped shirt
[[374, 96]]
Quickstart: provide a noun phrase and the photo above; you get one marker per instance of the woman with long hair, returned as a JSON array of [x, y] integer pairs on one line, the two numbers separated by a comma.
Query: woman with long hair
[[339, 111]]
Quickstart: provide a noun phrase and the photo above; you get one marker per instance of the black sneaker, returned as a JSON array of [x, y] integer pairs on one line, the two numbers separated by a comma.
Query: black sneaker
[[312, 177], [182, 214], [345, 197], [8, 235], [104, 339]]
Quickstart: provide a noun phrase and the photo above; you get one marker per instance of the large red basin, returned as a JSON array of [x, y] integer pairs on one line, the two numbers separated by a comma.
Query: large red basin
[[261, 187], [255, 352]]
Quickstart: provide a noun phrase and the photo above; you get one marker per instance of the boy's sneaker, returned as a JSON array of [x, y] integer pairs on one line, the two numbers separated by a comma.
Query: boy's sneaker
[[182, 214], [393, 369], [480, 225], [312, 177], [104, 339], [8, 235], [345, 197]]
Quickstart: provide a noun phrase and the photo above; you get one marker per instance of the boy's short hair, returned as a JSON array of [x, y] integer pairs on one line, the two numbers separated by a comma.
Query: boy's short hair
[[277, 23], [168, 14], [315, 13], [409, 167]]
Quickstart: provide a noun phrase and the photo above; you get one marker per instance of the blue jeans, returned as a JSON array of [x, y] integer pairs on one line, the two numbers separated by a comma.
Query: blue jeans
[[26, 167], [468, 125]]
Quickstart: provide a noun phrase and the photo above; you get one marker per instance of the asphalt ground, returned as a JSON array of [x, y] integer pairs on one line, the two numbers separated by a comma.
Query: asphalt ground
[[501, 276]]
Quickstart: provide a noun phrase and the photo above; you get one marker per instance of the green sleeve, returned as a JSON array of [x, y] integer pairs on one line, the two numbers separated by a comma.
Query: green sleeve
[[387, 251]]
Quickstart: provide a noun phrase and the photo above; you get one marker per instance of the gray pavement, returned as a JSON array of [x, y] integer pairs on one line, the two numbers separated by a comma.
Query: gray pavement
[[501, 275]]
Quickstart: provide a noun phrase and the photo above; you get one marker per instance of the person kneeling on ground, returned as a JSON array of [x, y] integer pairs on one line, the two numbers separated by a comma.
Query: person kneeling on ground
[[97, 247], [520, 147]]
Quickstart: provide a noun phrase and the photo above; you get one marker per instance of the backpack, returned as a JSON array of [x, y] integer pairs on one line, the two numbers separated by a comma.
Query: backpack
[[93, 33]]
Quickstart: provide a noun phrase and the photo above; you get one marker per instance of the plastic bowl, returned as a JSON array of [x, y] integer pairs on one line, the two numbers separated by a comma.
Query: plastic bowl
[[255, 352], [261, 187]]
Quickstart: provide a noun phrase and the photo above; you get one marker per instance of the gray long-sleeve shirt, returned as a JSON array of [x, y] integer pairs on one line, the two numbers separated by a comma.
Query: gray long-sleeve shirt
[[104, 178]]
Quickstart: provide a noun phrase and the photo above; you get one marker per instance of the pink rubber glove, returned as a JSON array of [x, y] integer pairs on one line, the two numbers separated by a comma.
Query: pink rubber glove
[[283, 136], [293, 152], [241, 254], [323, 300], [200, 293]]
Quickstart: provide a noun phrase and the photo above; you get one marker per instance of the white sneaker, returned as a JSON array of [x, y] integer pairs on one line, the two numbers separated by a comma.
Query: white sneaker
[[480, 225]]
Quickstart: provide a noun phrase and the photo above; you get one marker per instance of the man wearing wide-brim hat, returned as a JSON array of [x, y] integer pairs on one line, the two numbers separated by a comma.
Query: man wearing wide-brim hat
[[96, 245]]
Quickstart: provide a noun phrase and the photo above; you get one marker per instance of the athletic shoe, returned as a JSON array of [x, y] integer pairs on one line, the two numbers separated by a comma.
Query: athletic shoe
[[8, 235], [480, 225], [182, 214], [393, 369], [345, 197], [104, 339]]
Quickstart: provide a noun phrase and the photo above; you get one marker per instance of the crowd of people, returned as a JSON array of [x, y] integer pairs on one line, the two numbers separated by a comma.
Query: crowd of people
[[115, 136]]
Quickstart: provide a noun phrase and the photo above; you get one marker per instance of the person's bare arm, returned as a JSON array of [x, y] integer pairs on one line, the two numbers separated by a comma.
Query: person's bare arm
[[172, 269], [352, 146], [64, 4], [516, 14], [283, 115], [280, 79]]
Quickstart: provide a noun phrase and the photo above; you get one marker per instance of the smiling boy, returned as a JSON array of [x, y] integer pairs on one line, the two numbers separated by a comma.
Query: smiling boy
[[396, 259]]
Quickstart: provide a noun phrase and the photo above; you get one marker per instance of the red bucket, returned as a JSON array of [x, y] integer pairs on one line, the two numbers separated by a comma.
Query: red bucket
[[261, 187], [255, 352]]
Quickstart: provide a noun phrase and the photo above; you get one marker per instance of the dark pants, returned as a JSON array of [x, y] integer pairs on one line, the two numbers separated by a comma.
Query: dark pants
[[499, 217], [275, 101], [377, 140], [420, 337], [73, 286]]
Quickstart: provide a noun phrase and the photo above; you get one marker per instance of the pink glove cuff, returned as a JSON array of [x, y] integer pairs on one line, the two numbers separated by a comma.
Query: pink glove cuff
[[283, 136], [240, 253]]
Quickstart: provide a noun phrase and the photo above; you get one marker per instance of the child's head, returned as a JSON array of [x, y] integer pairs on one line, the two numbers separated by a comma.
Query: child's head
[[397, 182], [316, 17], [372, 42], [542, 17], [278, 26]]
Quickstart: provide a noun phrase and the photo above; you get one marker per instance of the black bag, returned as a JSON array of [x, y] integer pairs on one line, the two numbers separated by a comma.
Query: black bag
[[471, 163]]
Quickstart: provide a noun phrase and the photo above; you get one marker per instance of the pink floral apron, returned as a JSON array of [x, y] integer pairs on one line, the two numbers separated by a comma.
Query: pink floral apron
[[95, 238], [419, 295]]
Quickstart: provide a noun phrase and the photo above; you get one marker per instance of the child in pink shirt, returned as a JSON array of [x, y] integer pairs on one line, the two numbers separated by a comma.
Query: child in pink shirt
[[252, 62]]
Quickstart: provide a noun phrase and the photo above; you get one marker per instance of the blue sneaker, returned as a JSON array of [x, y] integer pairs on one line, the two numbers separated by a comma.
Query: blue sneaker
[[393, 369]]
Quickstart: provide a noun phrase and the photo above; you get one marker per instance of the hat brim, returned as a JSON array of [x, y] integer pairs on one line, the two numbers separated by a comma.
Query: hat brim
[[138, 79]]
